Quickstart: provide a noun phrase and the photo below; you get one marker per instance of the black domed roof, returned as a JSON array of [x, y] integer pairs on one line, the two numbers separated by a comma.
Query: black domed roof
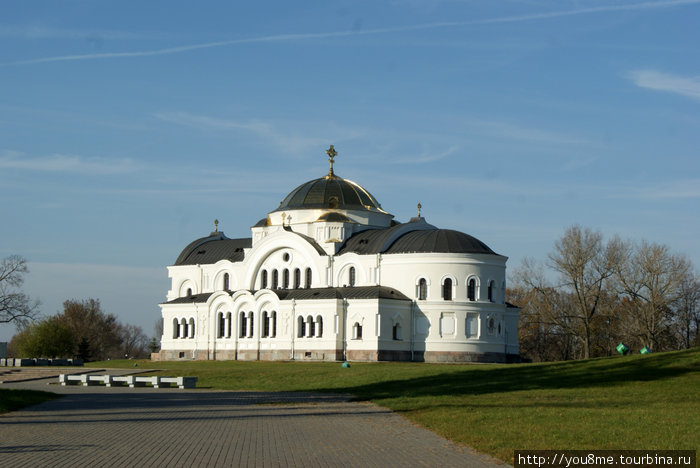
[[213, 248], [330, 192], [418, 241]]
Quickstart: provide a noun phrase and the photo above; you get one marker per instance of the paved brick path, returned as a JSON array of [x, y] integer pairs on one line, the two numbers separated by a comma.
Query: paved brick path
[[140, 427]]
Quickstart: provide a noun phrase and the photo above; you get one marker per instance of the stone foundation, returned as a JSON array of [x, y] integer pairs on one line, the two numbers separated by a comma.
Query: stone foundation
[[318, 355], [333, 355]]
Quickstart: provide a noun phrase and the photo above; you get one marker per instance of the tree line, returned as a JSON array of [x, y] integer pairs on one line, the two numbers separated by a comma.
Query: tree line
[[590, 295], [81, 330]]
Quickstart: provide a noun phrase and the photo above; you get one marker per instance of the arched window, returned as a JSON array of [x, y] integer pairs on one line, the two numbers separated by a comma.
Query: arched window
[[191, 328], [491, 326], [228, 325], [422, 292], [490, 291], [242, 324], [471, 289], [273, 327], [396, 332], [250, 324], [319, 326], [351, 276], [226, 280], [285, 279], [301, 327], [176, 328], [308, 278], [447, 289], [221, 321], [499, 328], [357, 331], [266, 324], [189, 292], [275, 279], [263, 279], [310, 329], [297, 278], [183, 329]]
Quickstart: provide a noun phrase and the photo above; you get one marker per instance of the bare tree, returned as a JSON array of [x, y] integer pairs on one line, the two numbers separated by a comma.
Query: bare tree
[[15, 306], [584, 265], [652, 280], [134, 341], [688, 311]]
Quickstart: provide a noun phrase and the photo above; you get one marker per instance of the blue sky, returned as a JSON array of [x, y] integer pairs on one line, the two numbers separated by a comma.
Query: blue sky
[[127, 127]]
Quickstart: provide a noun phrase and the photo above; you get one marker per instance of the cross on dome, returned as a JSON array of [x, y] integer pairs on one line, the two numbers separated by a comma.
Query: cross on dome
[[332, 153]]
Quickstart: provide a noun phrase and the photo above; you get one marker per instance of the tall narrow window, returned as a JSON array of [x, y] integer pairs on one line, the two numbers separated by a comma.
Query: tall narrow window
[[176, 328], [285, 279], [275, 279], [297, 278], [226, 279], [447, 289], [357, 331], [351, 276], [221, 325], [471, 289], [183, 329], [266, 324], [310, 329], [491, 291], [228, 325], [319, 326], [191, 328], [301, 327], [422, 289], [263, 279], [308, 278], [250, 324], [273, 327], [396, 332], [242, 324]]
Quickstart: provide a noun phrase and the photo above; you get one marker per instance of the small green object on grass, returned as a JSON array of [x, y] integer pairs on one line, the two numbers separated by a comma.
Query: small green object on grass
[[136, 365], [345, 365], [645, 350], [622, 349]]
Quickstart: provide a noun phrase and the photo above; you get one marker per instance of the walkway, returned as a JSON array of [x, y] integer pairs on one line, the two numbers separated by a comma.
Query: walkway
[[97, 426]]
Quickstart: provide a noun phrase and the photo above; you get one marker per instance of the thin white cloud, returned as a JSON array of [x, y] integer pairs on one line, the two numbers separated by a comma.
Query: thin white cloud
[[427, 157], [675, 189], [10, 159], [659, 81], [511, 131], [358, 32], [292, 142], [39, 31]]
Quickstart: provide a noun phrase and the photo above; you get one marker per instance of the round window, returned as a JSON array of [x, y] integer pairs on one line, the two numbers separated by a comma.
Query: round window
[[285, 257]]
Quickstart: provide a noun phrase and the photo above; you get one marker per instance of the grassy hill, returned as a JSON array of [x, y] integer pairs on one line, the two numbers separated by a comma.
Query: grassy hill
[[631, 402]]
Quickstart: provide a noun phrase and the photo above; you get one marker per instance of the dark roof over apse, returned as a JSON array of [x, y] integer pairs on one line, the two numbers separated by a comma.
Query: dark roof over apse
[[419, 241], [360, 292], [213, 248]]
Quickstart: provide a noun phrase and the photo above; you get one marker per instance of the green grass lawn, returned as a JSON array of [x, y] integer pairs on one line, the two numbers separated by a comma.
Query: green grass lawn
[[631, 402], [11, 400]]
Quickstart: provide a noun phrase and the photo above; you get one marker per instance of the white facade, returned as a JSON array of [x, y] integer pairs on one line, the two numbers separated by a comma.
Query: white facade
[[330, 276]]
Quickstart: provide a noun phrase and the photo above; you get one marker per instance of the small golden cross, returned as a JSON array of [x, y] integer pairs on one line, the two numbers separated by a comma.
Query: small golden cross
[[332, 153]]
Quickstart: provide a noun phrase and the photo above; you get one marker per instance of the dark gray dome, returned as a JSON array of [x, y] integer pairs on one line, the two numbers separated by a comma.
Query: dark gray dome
[[213, 248], [374, 241], [330, 192]]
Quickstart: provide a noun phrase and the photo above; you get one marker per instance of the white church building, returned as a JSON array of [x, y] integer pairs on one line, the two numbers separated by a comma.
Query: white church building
[[329, 275]]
